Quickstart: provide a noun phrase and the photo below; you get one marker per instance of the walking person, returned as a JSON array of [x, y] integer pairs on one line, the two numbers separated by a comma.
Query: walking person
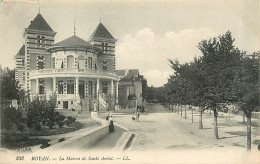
[[95, 107], [111, 124], [137, 116]]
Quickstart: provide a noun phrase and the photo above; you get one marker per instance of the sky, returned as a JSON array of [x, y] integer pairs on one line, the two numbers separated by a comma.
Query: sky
[[148, 32]]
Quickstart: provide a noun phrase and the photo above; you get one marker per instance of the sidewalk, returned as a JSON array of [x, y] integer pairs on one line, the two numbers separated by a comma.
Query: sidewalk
[[229, 129]]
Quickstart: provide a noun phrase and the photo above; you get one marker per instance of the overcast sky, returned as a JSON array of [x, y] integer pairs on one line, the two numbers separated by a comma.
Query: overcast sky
[[148, 32]]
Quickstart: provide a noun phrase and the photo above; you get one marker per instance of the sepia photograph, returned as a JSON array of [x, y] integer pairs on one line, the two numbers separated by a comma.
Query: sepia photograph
[[129, 81]]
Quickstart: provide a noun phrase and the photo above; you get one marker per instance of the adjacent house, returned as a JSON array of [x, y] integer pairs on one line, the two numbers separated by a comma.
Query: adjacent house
[[130, 88]]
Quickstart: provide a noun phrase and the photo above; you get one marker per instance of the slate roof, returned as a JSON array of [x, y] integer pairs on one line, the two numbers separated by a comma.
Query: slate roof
[[132, 75], [73, 41], [102, 32], [121, 72], [39, 23], [21, 51]]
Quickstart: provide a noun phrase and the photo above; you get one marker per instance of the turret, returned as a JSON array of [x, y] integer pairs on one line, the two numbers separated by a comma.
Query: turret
[[101, 38]]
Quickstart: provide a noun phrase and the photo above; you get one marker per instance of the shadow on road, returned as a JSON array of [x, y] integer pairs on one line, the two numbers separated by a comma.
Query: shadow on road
[[238, 133], [184, 146]]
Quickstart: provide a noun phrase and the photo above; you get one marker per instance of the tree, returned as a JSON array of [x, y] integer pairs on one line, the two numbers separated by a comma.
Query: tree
[[220, 62], [248, 91], [10, 87], [144, 86]]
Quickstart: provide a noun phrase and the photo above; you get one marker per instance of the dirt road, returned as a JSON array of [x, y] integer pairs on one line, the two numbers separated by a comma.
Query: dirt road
[[162, 129]]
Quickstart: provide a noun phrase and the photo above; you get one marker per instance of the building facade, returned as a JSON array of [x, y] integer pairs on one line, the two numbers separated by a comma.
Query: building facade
[[79, 72], [130, 88]]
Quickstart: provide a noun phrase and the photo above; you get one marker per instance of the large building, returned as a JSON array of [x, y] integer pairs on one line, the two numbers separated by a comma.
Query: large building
[[76, 70]]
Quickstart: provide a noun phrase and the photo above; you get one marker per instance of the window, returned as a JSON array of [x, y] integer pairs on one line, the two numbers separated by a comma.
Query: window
[[38, 40], [60, 87], [90, 88], [106, 47], [59, 63], [23, 76], [59, 102], [81, 62], [70, 62], [43, 41], [104, 88], [105, 65], [89, 63], [71, 102], [103, 47], [53, 63], [40, 62], [41, 87], [22, 62], [70, 87]]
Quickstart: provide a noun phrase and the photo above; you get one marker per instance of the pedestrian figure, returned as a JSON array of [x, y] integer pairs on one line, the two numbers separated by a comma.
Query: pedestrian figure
[[137, 116], [111, 125], [95, 107], [107, 117]]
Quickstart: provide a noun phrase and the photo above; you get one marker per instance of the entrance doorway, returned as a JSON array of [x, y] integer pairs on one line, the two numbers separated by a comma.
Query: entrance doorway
[[65, 105], [81, 89]]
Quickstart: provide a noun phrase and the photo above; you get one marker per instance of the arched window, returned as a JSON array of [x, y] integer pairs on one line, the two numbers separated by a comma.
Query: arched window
[[81, 62], [70, 62], [59, 63]]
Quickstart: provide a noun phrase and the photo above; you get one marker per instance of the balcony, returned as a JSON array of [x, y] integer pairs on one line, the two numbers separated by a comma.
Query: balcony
[[50, 73]]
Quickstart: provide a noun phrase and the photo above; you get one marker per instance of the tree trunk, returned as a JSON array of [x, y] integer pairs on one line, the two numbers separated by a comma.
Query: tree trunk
[[216, 123], [210, 112], [200, 122], [181, 110], [178, 108], [249, 132], [185, 113], [191, 115]]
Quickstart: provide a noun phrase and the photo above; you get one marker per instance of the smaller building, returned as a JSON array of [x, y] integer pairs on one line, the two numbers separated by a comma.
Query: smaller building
[[129, 88]]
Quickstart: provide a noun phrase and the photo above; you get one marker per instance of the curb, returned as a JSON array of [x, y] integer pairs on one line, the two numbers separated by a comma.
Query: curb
[[124, 141]]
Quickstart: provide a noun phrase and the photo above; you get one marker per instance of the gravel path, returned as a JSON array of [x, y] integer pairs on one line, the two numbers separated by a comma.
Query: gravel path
[[162, 129]]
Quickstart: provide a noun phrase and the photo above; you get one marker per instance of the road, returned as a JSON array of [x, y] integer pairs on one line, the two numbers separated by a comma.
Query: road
[[162, 129]]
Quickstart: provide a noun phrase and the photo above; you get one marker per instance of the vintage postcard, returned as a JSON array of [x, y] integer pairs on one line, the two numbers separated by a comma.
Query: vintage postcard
[[127, 81]]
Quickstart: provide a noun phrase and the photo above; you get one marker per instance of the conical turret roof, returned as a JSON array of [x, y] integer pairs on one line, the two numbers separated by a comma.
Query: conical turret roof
[[39, 23], [21, 51], [102, 32], [73, 41]]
